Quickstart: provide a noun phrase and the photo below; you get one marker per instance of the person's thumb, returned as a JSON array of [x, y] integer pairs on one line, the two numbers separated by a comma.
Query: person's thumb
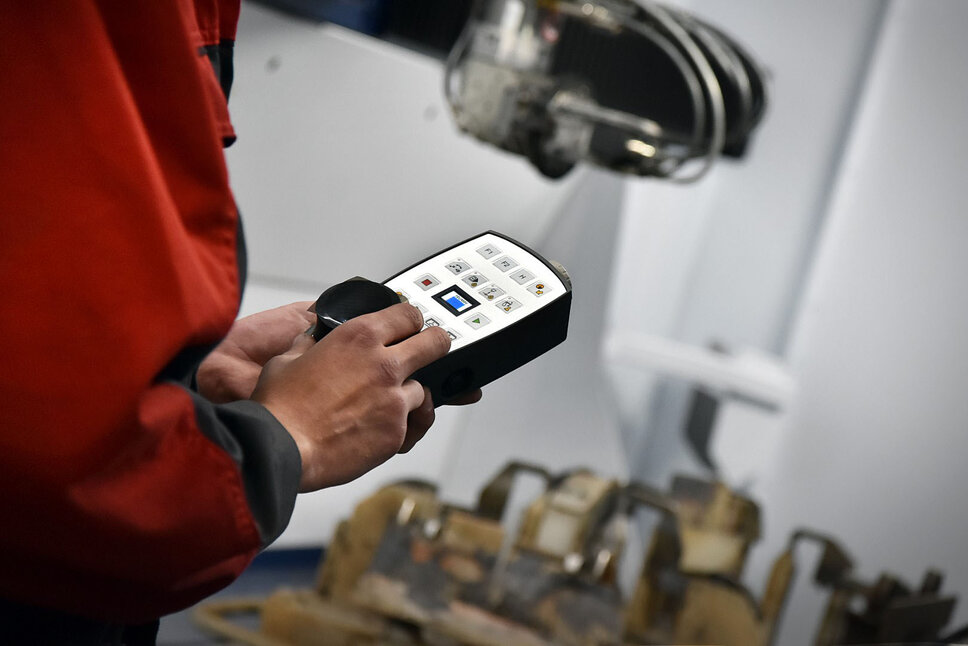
[[301, 343]]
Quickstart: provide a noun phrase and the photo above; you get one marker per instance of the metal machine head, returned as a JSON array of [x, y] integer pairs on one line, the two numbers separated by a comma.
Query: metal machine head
[[624, 84]]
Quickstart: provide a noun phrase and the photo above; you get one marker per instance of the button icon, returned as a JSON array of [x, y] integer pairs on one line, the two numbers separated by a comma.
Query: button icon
[[508, 305], [475, 279], [522, 276], [492, 292], [489, 251], [539, 288], [427, 281], [431, 322], [478, 321], [458, 266], [453, 335], [505, 263]]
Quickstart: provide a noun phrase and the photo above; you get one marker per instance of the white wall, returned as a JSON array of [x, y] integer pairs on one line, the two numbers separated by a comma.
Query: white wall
[[732, 246], [875, 452], [348, 162], [724, 259]]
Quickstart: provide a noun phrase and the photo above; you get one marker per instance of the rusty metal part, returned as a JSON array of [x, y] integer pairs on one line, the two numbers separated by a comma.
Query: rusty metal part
[[355, 541], [688, 589], [885, 611], [562, 521], [494, 496], [409, 570]]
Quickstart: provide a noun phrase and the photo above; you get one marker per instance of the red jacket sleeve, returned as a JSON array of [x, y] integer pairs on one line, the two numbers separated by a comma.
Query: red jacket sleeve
[[124, 495]]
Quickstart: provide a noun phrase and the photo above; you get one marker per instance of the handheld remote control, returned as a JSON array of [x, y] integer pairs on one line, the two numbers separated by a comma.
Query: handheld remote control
[[501, 303]]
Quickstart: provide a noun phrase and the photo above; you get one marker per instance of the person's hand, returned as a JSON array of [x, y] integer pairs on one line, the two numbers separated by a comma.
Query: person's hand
[[348, 401], [231, 370]]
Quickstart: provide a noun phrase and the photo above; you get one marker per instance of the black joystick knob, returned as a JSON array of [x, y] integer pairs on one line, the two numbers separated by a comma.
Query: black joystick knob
[[349, 299]]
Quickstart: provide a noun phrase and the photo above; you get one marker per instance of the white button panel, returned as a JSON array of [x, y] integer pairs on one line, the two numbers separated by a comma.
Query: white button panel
[[508, 304], [474, 279], [477, 321], [489, 251], [505, 263], [539, 288], [426, 281], [522, 276], [491, 292], [458, 266], [503, 281]]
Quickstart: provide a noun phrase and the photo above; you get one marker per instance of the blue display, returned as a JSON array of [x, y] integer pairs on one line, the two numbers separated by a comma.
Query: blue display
[[456, 302]]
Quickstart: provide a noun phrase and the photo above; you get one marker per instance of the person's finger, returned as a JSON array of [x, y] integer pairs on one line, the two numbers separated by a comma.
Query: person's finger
[[413, 394], [471, 397], [301, 343], [304, 309], [419, 421], [392, 324], [421, 349]]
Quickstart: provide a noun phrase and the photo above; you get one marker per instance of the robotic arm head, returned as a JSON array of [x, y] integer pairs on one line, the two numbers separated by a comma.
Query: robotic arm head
[[628, 85]]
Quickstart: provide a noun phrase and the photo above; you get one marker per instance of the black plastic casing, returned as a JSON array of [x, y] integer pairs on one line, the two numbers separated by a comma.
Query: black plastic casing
[[349, 299], [481, 362]]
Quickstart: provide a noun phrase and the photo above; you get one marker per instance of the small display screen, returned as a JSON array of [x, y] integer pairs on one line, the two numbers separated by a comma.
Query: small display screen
[[455, 300]]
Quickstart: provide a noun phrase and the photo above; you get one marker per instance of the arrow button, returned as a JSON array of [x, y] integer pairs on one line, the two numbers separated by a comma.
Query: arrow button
[[478, 321]]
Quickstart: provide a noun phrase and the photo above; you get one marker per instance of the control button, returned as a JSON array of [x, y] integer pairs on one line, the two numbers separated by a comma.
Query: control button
[[475, 279], [522, 276], [426, 282], [403, 294], [489, 251], [453, 335], [458, 266], [420, 307], [431, 322], [539, 288], [508, 304], [505, 263], [477, 322], [492, 292]]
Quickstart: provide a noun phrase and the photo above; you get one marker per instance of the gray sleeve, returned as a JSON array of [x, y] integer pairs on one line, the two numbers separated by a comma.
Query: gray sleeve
[[265, 453]]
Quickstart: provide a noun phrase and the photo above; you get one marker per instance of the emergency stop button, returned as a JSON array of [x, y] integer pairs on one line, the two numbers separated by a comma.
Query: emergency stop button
[[426, 281]]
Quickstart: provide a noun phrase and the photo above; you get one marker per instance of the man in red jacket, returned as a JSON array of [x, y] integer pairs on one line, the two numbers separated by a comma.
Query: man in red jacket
[[132, 481]]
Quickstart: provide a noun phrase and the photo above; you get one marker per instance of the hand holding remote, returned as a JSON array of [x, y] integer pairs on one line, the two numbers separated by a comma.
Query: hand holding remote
[[348, 400]]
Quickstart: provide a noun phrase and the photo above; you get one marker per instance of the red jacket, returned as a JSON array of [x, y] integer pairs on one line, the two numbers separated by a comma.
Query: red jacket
[[123, 494]]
